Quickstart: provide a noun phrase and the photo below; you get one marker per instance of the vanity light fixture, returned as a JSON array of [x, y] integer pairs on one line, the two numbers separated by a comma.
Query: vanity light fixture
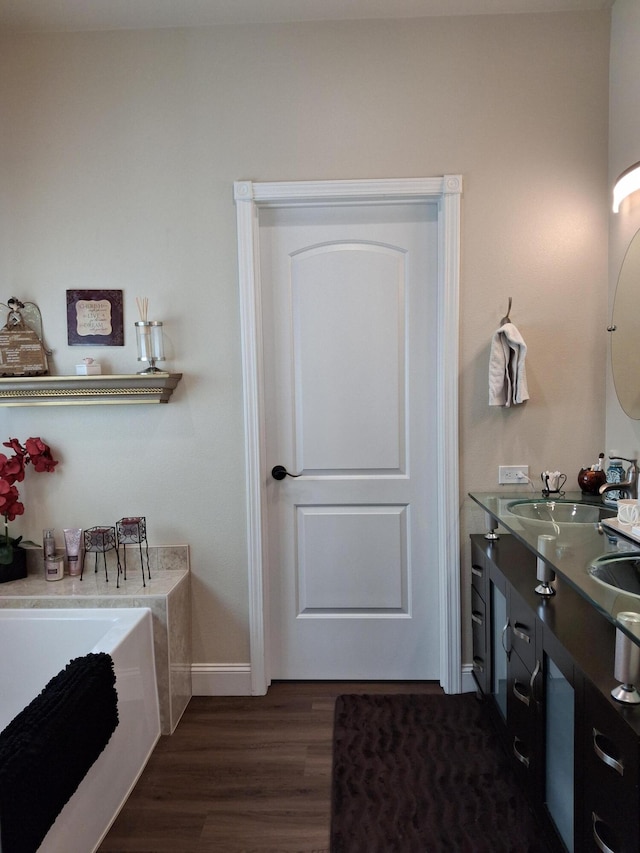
[[628, 182]]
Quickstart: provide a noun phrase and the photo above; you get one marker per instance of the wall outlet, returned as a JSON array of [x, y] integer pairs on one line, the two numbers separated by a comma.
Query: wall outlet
[[511, 474]]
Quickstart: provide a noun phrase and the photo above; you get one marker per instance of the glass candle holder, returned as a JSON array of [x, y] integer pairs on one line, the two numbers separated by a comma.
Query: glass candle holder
[[150, 344]]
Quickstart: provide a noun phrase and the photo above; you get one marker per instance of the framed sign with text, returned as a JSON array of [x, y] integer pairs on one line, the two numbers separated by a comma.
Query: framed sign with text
[[95, 318]]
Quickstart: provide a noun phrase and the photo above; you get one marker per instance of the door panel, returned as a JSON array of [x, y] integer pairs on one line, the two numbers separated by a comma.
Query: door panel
[[352, 558], [348, 306], [348, 300]]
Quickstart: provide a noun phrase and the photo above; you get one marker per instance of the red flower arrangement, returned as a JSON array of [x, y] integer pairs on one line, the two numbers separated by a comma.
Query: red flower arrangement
[[12, 469]]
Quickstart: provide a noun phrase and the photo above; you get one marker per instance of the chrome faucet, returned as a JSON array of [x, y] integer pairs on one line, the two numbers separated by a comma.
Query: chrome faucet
[[628, 486]]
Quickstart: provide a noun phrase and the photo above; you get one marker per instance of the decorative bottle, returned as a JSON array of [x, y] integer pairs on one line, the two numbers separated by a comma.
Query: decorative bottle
[[615, 474], [48, 544]]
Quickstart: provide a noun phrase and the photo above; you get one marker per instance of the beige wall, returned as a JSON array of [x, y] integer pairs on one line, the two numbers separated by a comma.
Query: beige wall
[[117, 157], [623, 434]]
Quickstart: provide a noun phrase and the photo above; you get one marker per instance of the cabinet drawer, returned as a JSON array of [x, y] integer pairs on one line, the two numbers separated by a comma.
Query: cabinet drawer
[[613, 750], [478, 611], [612, 798], [612, 833], [479, 634], [478, 572], [521, 703], [523, 630], [521, 718], [521, 683]]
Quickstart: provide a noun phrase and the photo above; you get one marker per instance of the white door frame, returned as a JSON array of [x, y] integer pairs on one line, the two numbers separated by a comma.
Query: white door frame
[[250, 197]]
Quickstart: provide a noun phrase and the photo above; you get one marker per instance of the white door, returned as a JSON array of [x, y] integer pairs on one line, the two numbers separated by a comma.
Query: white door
[[349, 300], [380, 536]]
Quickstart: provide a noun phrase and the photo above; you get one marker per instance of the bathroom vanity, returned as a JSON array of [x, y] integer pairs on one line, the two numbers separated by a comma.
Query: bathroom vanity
[[545, 665]]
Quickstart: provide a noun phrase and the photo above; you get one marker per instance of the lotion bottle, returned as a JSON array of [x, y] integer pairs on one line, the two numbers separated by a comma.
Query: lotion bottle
[[72, 536]]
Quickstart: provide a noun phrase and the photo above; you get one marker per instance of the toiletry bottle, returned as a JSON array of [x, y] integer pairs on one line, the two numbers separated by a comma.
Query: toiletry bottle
[[72, 536], [54, 568], [48, 544]]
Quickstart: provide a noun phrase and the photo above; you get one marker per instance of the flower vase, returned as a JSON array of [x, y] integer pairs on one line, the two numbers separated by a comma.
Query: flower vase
[[16, 569]]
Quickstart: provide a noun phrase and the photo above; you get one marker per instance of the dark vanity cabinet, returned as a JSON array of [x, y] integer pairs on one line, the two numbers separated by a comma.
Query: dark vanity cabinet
[[545, 666], [523, 672], [505, 659], [611, 793], [479, 619]]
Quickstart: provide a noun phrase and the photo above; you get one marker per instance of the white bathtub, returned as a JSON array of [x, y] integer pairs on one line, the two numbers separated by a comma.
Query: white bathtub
[[41, 643]]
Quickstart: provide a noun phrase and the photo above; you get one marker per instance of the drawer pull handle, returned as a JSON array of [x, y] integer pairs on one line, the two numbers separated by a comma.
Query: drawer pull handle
[[503, 637], [595, 820], [518, 692], [477, 571], [477, 618], [603, 755], [519, 755], [532, 682], [520, 631], [478, 664]]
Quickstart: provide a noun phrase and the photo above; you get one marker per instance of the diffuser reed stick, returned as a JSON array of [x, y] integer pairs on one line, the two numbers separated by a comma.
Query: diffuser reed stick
[[143, 307]]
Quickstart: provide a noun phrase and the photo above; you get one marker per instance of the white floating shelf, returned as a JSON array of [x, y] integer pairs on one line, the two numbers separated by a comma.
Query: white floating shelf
[[128, 388]]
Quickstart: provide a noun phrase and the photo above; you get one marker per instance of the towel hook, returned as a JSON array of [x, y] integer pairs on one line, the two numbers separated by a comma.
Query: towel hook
[[506, 318]]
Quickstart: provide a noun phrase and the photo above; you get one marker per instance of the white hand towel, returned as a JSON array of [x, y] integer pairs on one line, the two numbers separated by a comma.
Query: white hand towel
[[507, 374]]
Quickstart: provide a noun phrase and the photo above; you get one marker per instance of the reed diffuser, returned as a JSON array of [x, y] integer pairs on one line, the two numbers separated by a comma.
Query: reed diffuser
[[148, 338]]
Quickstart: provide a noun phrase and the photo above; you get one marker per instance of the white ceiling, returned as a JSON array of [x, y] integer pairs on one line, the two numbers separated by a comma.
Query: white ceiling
[[81, 15]]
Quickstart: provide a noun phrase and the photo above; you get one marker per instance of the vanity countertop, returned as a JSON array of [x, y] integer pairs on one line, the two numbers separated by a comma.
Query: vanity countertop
[[571, 559]]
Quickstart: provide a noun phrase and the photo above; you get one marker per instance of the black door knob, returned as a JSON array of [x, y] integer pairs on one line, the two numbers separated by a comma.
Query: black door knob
[[279, 472]]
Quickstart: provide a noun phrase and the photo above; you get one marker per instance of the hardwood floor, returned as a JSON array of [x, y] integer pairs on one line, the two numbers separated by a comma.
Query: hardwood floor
[[242, 775]]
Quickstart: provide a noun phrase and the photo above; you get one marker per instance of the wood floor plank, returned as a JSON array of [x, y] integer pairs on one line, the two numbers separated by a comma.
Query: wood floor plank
[[242, 774]]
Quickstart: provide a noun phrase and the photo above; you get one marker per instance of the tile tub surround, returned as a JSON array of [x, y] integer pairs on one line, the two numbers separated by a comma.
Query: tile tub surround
[[167, 595]]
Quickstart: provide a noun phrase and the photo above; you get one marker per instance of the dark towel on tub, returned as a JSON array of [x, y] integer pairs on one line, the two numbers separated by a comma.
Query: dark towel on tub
[[47, 749]]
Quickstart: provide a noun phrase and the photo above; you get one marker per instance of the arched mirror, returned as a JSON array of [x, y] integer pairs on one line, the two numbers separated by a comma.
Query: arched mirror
[[625, 334]]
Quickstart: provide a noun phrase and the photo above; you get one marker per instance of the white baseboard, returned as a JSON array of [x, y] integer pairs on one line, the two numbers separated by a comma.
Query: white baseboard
[[468, 682], [234, 679], [221, 679]]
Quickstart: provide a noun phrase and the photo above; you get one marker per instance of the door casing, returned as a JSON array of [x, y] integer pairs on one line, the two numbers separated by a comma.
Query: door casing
[[250, 197]]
